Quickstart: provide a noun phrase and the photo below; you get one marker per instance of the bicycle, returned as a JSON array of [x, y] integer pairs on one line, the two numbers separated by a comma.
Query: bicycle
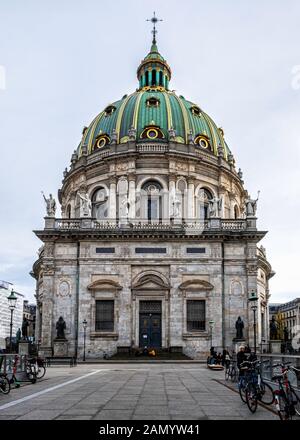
[[252, 388], [287, 402], [4, 383], [40, 367], [231, 371], [30, 368]]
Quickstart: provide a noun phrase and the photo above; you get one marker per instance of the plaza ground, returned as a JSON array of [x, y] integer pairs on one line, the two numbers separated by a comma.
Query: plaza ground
[[170, 391]]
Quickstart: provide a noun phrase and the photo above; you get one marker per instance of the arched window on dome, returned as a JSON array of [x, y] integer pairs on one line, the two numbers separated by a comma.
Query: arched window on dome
[[204, 197], [147, 78], [153, 77], [100, 204], [161, 79], [152, 201], [68, 211], [236, 212]]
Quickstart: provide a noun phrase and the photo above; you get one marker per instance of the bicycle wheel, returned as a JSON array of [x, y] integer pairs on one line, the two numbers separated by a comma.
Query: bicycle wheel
[[266, 393], [233, 374], [31, 374], [40, 372], [296, 402], [4, 385], [282, 406], [227, 373], [242, 390], [251, 397]]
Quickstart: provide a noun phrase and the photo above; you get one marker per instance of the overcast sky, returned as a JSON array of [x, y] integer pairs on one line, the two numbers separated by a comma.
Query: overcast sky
[[62, 62]]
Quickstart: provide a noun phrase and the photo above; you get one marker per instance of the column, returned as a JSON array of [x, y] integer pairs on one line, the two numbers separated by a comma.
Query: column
[[172, 190], [47, 321], [112, 199], [157, 77], [191, 199]]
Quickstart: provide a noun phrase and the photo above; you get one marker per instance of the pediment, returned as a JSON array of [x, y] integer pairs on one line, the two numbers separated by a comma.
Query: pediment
[[196, 285], [150, 282], [104, 285]]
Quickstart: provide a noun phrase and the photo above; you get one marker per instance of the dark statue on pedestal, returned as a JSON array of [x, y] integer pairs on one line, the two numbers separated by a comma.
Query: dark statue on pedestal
[[239, 325], [25, 325], [273, 328], [60, 328]]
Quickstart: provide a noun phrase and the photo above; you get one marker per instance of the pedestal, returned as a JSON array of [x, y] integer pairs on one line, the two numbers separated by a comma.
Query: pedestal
[[60, 348], [45, 351], [237, 343], [24, 348], [275, 346]]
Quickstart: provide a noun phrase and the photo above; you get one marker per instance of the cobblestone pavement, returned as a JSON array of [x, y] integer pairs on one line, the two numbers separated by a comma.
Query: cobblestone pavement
[[128, 392]]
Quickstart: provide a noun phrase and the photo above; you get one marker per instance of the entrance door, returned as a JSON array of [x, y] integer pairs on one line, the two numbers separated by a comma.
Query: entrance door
[[150, 324]]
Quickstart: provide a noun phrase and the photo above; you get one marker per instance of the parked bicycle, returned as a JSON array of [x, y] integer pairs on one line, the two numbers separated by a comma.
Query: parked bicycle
[[287, 401], [40, 366], [4, 383], [252, 387], [231, 371]]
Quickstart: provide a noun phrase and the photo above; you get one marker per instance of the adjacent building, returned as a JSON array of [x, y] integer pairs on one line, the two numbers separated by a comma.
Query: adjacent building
[[157, 243], [5, 313], [29, 312], [289, 316]]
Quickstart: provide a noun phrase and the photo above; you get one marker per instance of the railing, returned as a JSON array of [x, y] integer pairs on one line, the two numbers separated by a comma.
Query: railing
[[152, 148], [268, 371], [137, 224], [13, 364]]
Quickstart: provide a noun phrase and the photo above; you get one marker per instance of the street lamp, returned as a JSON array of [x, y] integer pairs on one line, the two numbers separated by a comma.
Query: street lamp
[[253, 300], [84, 323], [211, 324], [12, 300]]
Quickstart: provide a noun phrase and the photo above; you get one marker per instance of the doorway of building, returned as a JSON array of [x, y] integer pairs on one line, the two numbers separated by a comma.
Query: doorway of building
[[150, 324]]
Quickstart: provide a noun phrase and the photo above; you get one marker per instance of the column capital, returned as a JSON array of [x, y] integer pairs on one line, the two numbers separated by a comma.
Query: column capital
[[113, 180], [191, 180]]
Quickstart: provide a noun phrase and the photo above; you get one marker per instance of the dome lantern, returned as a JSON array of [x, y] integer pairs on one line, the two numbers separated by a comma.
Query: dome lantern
[[154, 71]]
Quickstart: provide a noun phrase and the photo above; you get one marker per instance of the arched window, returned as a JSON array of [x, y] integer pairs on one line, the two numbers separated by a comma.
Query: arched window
[[204, 196], [153, 201], [182, 198], [161, 78], [68, 211], [100, 204], [147, 78], [236, 212], [153, 82]]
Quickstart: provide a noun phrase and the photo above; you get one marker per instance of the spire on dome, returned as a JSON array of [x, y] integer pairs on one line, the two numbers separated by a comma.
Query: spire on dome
[[154, 71], [154, 20]]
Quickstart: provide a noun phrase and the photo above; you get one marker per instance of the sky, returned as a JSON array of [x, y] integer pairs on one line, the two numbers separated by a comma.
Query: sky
[[64, 61]]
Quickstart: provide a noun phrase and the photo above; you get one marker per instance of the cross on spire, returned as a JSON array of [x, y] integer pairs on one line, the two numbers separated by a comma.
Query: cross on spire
[[154, 20]]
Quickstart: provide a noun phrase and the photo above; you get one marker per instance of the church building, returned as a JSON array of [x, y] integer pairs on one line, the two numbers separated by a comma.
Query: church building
[[157, 242]]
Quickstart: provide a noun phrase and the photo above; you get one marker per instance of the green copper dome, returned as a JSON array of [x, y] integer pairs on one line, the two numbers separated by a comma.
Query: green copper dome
[[153, 113]]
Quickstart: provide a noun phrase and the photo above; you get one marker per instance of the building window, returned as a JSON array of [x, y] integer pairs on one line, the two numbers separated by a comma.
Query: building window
[[152, 191], [195, 315], [204, 199], [105, 315], [100, 204]]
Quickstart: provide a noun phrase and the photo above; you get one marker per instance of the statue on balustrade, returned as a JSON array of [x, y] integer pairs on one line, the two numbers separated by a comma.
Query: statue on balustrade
[[50, 205], [239, 326], [273, 328], [215, 207], [251, 206], [60, 328], [85, 205]]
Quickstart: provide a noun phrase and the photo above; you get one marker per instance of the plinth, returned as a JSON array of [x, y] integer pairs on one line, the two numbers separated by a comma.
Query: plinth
[[60, 348], [275, 346], [23, 348], [236, 342]]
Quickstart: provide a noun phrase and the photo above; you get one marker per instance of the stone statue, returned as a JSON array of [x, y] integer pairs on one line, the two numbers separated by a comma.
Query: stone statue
[[18, 335], [239, 325], [172, 134], [50, 205], [215, 206], [124, 207], [273, 328], [132, 133], [60, 328], [251, 206], [85, 205], [25, 325]]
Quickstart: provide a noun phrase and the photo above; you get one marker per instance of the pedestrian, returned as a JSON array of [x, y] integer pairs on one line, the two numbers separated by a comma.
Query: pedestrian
[[240, 358]]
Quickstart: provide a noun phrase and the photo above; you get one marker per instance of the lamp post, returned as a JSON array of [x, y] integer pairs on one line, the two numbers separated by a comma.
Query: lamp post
[[211, 324], [12, 300], [84, 323], [253, 301]]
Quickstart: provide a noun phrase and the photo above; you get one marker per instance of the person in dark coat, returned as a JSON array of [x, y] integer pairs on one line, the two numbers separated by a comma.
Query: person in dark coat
[[241, 357]]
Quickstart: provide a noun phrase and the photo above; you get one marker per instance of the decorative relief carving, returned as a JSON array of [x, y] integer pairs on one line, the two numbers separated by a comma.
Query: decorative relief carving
[[123, 166], [216, 252], [182, 166], [64, 289], [49, 250], [236, 288], [251, 269]]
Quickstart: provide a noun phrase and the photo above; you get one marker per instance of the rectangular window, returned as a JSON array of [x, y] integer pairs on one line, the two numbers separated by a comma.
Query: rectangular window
[[195, 250], [105, 315], [103, 250], [195, 315], [150, 250]]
